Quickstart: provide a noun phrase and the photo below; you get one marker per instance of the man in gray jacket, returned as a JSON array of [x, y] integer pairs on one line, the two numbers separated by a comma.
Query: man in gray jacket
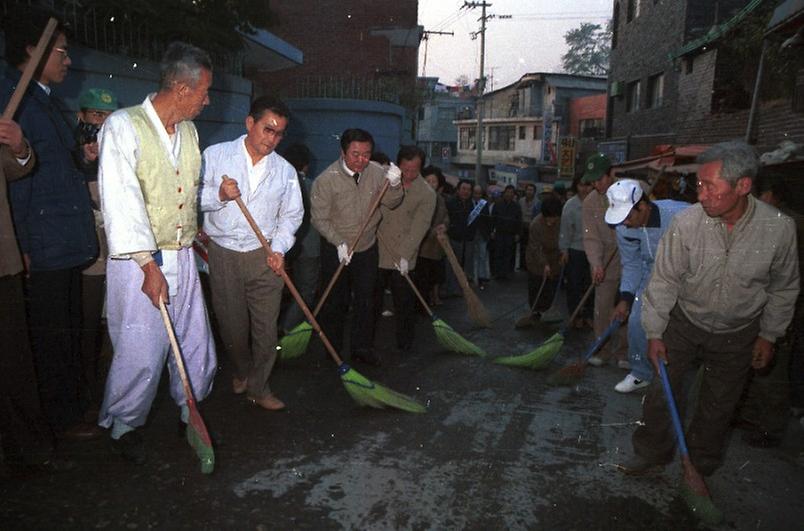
[[722, 291]]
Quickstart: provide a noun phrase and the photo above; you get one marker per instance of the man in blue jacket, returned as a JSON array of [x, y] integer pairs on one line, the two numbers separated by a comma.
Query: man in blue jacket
[[641, 223], [54, 224]]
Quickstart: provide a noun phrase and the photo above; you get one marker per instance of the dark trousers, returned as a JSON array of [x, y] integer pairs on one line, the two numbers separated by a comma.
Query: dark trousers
[[54, 315], [578, 280], [404, 305], [93, 292], [359, 280], [503, 257], [727, 360], [24, 432], [546, 298], [524, 236]]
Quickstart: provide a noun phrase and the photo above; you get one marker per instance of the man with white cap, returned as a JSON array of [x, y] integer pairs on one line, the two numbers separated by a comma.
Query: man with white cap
[[641, 223]]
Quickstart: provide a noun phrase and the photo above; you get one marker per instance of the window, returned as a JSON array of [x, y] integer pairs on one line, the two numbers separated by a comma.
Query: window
[[421, 113], [521, 133], [537, 132], [467, 138], [502, 138], [655, 90], [591, 128], [632, 95]]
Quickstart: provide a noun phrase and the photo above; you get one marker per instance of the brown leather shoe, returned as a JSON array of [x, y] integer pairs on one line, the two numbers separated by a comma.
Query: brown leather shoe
[[269, 402], [83, 431], [239, 386]]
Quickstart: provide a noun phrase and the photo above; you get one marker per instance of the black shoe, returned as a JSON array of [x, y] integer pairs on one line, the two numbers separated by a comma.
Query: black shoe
[[130, 447], [367, 357], [639, 466]]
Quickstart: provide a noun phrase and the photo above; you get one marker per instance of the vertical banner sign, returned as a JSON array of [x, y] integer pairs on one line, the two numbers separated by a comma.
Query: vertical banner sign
[[547, 135], [566, 157]]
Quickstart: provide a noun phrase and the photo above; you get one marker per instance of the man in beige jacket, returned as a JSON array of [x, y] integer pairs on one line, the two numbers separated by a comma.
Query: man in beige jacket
[[723, 290], [599, 242], [401, 231], [341, 198]]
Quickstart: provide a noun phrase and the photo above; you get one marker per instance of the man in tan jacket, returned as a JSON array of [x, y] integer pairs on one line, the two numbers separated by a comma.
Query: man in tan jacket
[[341, 198], [723, 290], [24, 432], [401, 231], [599, 242]]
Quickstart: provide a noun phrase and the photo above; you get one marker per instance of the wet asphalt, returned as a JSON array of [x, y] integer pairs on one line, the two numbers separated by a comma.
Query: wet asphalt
[[499, 448]]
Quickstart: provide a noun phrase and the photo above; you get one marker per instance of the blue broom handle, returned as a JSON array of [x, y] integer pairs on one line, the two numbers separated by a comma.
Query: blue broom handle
[[671, 405], [615, 324]]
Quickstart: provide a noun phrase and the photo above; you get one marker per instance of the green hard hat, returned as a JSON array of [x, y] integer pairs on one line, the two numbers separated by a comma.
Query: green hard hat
[[596, 167], [98, 99]]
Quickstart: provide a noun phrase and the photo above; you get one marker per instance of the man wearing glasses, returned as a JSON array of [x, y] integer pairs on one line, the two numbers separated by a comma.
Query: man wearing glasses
[[53, 222], [238, 268]]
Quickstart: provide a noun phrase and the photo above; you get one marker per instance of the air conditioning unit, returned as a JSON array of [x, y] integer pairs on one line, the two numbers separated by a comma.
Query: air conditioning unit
[[616, 89]]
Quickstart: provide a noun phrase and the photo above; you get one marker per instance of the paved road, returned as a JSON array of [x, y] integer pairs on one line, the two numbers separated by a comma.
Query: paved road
[[498, 449]]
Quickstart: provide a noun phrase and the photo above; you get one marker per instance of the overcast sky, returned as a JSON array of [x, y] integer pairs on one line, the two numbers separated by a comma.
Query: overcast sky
[[532, 41]]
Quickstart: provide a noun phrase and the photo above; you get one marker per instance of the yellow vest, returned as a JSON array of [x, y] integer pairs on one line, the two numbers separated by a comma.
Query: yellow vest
[[170, 193]]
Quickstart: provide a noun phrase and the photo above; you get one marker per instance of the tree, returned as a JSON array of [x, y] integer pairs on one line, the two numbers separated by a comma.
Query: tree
[[588, 50]]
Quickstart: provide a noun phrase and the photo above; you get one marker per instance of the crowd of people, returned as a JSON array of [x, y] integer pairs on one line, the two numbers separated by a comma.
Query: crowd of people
[[116, 209]]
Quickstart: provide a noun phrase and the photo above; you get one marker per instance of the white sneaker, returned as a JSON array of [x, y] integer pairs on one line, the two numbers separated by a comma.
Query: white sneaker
[[630, 384], [623, 364], [387, 313], [596, 361]]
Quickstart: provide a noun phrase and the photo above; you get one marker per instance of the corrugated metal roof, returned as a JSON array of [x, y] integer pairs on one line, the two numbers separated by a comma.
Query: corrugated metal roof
[[786, 12], [575, 82], [717, 31]]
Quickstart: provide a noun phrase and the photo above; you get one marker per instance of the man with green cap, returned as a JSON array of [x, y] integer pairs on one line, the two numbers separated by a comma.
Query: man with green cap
[[95, 105], [599, 242]]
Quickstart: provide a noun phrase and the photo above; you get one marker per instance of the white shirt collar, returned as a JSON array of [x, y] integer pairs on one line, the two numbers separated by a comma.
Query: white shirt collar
[[45, 88]]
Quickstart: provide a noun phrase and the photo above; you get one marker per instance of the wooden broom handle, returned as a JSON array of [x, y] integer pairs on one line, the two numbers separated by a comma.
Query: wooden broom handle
[[412, 285], [174, 345], [288, 282], [30, 68], [589, 290], [351, 249]]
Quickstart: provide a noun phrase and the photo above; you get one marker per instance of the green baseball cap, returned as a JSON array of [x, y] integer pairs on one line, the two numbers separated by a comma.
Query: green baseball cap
[[596, 167], [98, 99]]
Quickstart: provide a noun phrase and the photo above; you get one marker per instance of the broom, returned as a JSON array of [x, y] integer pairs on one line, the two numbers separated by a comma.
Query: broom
[[573, 372], [527, 320], [477, 312], [553, 314], [693, 489], [294, 343], [362, 390], [196, 432], [544, 354], [446, 335]]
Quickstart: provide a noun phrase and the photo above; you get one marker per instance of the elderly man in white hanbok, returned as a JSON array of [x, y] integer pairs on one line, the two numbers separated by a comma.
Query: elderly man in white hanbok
[[148, 175]]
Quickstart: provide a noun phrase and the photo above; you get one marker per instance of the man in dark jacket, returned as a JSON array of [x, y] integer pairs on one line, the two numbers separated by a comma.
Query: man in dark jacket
[[461, 233], [54, 223], [507, 220]]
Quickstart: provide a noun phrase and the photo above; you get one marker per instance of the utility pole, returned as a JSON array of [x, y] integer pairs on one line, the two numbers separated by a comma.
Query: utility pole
[[426, 38], [481, 85]]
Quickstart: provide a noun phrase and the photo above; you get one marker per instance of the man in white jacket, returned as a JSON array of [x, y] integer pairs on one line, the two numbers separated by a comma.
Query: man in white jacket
[[246, 286]]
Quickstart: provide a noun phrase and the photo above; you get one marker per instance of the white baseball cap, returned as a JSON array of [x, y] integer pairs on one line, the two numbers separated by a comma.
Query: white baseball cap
[[623, 195]]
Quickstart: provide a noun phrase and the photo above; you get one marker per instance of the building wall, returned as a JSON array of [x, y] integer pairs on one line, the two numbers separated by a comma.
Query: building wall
[[585, 108], [643, 48]]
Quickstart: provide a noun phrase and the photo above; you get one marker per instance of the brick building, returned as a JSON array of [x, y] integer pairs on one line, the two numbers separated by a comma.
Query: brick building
[[352, 49], [682, 73]]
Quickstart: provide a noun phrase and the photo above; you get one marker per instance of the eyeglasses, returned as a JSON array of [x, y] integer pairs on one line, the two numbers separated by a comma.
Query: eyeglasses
[[63, 51]]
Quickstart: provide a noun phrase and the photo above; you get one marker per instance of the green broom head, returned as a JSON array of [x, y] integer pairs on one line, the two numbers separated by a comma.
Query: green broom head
[[537, 359], [294, 343], [451, 340], [552, 316], [367, 393], [700, 504], [199, 440]]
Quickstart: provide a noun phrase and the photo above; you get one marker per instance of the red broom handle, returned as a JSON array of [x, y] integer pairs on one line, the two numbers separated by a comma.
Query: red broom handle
[[30, 68], [291, 287]]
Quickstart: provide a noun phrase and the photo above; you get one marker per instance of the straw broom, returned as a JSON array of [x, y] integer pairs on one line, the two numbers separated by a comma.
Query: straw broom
[[693, 488], [446, 335], [527, 320], [477, 312], [573, 372], [197, 434], [294, 343], [553, 313], [362, 390], [544, 354]]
